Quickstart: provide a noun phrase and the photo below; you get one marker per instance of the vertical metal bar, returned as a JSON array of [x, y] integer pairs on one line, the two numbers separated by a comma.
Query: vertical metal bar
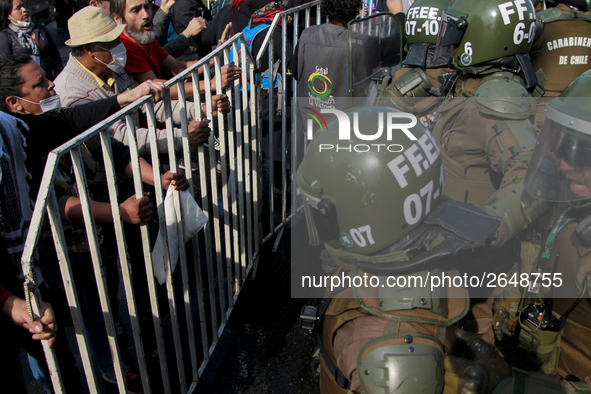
[[97, 263], [214, 210], [318, 20], [271, 132], [307, 20], [28, 269], [256, 162], [181, 228], [207, 231], [169, 280], [195, 241], [251, 223], [225, 201], [137, 181], [35, 303], [66, 272], [294, 119], [123, 260], [239, 86], [283, 119], [232, 285]]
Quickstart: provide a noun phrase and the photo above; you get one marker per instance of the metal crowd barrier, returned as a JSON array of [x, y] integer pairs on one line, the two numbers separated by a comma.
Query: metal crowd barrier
[[212, 277], [288, 44], [232, 201]]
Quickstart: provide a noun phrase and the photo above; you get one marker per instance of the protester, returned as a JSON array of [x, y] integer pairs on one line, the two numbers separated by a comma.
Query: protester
[[146, 60], [20, 35]]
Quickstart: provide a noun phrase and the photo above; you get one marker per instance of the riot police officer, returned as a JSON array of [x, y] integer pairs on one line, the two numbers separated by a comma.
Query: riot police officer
[[555, 312], [562, 48], [487, 134], [379, 207], [415, 87]]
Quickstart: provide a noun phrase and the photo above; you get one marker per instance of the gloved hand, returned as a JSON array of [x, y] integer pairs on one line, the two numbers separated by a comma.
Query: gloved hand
[[486, 371], [505, 317], [383, 86]]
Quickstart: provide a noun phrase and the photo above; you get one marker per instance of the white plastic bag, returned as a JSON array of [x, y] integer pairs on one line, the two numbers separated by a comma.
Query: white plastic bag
[[194, 220]]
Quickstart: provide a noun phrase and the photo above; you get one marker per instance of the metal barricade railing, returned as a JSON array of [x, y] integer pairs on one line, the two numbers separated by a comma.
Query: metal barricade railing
[[211, 277], [277, 223]]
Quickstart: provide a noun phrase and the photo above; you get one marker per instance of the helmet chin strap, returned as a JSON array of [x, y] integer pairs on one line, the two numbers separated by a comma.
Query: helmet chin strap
[[439, 236], [398, 261]]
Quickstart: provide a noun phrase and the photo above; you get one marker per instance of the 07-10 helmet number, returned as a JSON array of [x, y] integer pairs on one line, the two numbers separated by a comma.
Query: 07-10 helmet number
[[429, 27]]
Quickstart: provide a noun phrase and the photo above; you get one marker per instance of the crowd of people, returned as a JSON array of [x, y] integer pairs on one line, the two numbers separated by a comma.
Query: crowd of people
[[501, 155], [115, 59]]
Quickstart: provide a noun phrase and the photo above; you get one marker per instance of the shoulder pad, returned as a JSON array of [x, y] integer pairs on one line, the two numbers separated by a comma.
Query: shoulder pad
[[411, 90], [551, 14], [502, 95]]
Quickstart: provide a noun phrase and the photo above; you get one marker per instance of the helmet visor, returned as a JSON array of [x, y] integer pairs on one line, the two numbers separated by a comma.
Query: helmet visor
[[320, 219], [560, 170], [451, 32], [423, 55]]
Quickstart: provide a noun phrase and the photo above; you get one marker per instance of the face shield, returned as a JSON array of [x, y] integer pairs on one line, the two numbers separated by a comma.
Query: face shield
[[451, 32], [321, 218], [375, 45], [560, 170], [423, 55]]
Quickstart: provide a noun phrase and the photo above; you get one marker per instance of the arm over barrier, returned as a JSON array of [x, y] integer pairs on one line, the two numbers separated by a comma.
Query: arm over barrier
[[212, 270], [226, 178]]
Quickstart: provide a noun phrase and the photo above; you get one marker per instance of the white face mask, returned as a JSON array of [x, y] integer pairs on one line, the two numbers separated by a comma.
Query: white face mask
[[21, 24], [119, 55], [48, 104]]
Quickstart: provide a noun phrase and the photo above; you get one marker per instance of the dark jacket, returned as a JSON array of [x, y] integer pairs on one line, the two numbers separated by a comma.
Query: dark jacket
[[51, 61]]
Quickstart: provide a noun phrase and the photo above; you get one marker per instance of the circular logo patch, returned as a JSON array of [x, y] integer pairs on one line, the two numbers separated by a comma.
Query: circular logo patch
[[346, 239], [466, 59], [319, 85]]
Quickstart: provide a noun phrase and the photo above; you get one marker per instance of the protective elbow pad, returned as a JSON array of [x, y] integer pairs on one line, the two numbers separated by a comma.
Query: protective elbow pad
[[516, 209], [404, 363], [410, 91]]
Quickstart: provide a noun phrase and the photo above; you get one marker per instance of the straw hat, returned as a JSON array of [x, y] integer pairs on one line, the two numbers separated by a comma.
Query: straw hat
[[92, 24]]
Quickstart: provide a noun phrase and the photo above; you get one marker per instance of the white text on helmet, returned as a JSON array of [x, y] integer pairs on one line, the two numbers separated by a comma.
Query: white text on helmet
[[506, 10], [415, 158], [423, 13]]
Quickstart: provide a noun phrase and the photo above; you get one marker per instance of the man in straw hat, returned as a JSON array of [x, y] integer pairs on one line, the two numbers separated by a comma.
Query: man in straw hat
[[95, 71]]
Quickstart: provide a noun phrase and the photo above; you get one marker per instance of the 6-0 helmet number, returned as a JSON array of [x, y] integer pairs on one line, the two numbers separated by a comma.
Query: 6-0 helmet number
[[519, 33]]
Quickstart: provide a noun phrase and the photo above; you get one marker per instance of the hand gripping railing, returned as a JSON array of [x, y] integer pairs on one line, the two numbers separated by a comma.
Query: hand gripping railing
[[233, 234]]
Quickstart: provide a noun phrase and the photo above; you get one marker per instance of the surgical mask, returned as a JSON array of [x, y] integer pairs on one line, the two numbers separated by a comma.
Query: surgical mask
[[119, 55], [48, 104], [21, 24]]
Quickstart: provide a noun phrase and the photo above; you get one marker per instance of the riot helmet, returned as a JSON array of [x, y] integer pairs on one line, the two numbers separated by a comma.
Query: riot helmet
[[372, 180], [369, 193], [421, 30], [480, 32], [560, 169]]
